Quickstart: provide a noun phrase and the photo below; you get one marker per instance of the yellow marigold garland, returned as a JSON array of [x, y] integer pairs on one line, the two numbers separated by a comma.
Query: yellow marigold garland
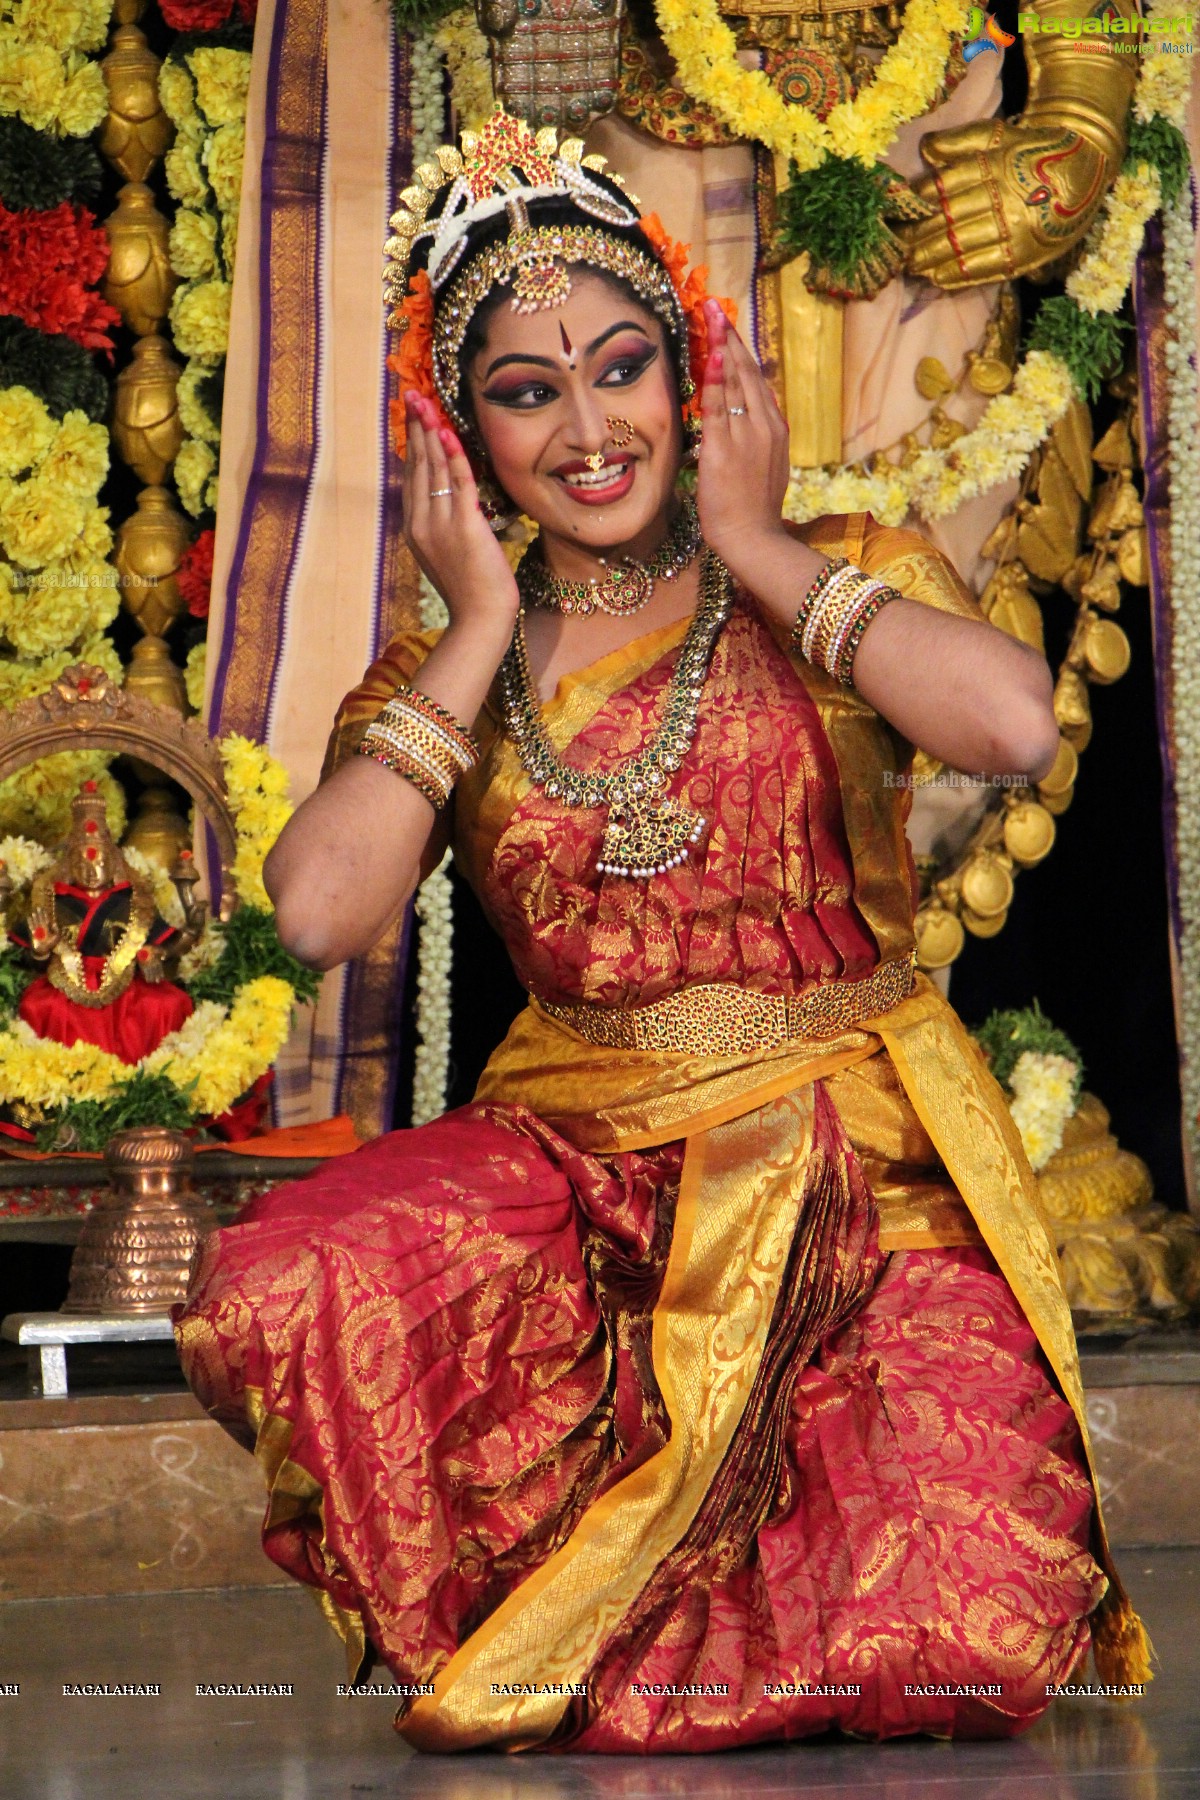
[[205, 96], [57, 590], [1016, 423], [905, 84]]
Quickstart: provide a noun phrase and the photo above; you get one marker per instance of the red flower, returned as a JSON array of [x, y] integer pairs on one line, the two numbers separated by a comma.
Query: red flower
[[49, 262], [205, 15], [195, 575], [195, 15], [692, 291]]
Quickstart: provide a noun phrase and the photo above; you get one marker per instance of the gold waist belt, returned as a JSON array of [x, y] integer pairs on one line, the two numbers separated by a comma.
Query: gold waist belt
[[720, 1018]]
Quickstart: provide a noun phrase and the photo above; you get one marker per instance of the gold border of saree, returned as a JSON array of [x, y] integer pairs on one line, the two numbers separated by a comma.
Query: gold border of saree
[[739, 1206]]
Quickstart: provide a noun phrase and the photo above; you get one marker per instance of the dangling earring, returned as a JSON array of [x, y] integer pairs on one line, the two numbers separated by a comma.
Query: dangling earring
[[495, 506], [693, 427], [494, 503]]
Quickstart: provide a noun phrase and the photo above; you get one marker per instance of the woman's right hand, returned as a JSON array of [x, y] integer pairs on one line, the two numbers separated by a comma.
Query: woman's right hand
[[447, 532]]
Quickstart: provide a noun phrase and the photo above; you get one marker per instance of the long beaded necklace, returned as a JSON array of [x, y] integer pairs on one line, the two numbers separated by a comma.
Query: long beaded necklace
[[646, 832], [626, 586]]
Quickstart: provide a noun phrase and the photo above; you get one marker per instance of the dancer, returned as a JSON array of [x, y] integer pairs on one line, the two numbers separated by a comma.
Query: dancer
[[708, 1379]]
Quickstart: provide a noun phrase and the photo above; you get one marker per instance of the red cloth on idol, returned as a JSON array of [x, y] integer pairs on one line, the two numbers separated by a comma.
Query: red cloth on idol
[[131, 1026]]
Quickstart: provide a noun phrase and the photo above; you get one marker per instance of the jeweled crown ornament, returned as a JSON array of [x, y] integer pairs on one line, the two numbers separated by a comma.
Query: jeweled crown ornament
[[505, 169], [500, 168]]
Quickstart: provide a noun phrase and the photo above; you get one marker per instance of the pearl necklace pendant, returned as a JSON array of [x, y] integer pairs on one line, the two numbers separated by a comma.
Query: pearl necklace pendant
[[647, 835]]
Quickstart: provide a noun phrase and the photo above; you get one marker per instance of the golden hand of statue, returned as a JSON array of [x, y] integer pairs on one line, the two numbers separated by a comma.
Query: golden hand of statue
[[1009, 196], [44, 934], [150, 963]]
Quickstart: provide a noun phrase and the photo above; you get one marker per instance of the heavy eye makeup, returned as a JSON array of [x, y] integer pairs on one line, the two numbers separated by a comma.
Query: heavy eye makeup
[[621, 368]]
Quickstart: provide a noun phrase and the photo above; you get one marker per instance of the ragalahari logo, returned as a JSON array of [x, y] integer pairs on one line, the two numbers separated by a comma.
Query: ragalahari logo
[[982, 34]]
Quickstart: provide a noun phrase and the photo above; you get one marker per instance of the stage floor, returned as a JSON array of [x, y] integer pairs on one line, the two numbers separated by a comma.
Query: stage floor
[[315, 1746]]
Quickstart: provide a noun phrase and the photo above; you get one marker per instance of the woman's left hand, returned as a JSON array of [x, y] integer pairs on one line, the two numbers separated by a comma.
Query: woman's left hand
[[744, 464]]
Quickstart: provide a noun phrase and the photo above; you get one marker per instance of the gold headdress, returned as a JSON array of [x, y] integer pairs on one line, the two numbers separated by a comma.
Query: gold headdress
[[503, 169]]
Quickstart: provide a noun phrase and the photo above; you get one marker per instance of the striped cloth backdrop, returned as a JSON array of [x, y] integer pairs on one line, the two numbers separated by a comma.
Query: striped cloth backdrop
[[311, 577]]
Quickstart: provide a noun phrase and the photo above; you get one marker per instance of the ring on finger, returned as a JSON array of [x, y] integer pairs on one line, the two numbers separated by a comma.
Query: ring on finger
[[735, 412], [439, 493]]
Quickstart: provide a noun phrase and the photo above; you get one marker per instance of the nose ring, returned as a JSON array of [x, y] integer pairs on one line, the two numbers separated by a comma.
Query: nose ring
[[621, 432]]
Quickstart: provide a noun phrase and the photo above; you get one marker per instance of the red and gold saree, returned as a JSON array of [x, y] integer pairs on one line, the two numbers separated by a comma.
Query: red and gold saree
[[678, 1398]]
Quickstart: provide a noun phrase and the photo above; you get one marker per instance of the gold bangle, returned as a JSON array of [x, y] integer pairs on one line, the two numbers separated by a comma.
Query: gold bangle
[[409, 725], [413, 737], [823, 577], [833, 593], [875, 603], [416, 701], [380, 741], [839, 608], [436, 789]]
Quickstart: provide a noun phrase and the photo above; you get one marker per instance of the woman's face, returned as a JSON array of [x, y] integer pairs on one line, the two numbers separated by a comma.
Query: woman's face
[[545, 385]]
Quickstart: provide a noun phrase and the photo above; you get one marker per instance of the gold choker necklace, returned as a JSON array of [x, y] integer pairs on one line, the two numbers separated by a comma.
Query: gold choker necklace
[[625, 587]]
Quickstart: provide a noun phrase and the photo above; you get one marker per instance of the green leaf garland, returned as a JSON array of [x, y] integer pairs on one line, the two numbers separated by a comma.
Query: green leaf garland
[[420, 15], [143, 1100], [14, 979], [1009, 1031], [1088, 343], [1158, 142], [835, 212], [250, 948]]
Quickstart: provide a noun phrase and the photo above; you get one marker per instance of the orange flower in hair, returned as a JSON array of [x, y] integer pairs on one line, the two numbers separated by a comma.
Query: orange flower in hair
[[412, 360], [692, 289]]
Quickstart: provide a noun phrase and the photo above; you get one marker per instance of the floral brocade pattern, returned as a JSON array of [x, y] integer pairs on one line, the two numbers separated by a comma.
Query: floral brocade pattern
[[652, 1409], [462, 1357], [766, 898], [931, 1518]]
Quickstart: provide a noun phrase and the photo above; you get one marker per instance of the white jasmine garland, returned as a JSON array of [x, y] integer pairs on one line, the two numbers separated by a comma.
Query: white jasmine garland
[[1041, 1084], [432, 1063], [431, 1073], [426, 96], [1183, 462]]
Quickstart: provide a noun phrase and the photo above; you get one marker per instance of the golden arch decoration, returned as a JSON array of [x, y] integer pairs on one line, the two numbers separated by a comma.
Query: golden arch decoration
[[85, 710]]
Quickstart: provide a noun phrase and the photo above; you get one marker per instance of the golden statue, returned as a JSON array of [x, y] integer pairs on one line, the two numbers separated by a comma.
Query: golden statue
[[105, 953], [1127, 1260]]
